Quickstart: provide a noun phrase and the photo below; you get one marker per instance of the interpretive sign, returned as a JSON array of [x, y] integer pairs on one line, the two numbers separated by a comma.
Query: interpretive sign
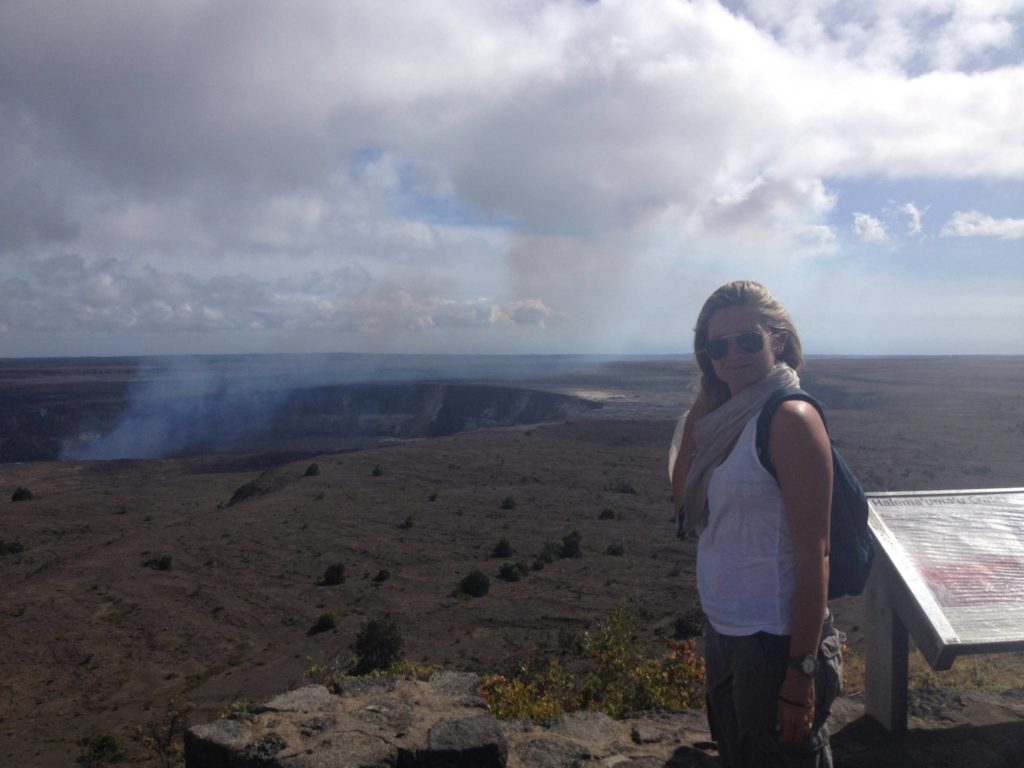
[[950, 570]]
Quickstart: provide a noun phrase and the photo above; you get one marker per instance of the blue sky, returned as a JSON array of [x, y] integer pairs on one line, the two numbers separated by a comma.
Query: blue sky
[[210, 176]]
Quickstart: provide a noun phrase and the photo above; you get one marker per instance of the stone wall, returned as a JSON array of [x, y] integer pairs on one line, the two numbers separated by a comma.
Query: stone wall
[[442, 723]]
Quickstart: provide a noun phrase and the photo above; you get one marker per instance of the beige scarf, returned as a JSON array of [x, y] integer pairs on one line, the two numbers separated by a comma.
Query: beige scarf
[[715, 435]]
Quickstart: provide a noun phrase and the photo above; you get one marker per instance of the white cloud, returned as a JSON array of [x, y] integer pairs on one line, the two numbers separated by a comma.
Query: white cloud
[[975, 224], [914, 214], [527, 151], [868, 229]]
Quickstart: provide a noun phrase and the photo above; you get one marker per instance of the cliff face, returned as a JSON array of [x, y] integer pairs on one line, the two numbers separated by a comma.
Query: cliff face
[[115, 423]]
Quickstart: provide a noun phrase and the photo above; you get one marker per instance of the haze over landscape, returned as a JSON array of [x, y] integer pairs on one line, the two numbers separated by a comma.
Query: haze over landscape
[[217, 176]]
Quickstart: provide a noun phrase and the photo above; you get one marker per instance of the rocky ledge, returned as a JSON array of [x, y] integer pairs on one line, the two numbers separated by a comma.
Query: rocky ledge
[[393, 722]]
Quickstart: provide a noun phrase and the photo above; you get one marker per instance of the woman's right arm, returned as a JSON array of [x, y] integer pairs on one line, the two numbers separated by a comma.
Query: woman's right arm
[[687, 450]]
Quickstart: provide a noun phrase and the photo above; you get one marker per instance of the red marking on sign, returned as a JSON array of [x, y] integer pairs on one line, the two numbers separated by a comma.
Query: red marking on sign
[[994, 581]]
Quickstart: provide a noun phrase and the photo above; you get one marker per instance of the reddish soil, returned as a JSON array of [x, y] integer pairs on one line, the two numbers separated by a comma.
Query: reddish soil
[[94, 640]]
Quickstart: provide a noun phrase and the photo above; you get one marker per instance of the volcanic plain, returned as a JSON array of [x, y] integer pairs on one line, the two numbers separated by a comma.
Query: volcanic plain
[[97, 636]]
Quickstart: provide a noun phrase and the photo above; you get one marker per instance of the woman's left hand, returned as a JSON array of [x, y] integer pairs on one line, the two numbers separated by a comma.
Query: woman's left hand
[[795, 707]]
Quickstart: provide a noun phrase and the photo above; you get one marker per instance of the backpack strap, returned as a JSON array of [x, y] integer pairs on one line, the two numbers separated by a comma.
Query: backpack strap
[[764, 421]]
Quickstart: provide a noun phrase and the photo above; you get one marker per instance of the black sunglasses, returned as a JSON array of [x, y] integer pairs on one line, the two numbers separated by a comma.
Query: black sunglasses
[[748, 341]]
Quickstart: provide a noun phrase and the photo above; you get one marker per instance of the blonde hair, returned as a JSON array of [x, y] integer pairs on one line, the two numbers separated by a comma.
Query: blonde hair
[[744, 293]]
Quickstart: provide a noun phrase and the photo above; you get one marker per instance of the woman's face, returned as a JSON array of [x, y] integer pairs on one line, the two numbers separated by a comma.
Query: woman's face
[[740, 368]]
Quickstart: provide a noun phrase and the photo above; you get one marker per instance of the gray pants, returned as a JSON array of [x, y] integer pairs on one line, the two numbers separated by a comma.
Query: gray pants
[[744, 678]]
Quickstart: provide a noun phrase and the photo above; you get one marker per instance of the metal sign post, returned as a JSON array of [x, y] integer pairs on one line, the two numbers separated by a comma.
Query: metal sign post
[[949, 571]]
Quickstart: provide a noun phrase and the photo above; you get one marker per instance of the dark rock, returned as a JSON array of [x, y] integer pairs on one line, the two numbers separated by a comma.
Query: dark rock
[[352, 750], [550, 753], [389, 713], [465, 742], [260, 754]]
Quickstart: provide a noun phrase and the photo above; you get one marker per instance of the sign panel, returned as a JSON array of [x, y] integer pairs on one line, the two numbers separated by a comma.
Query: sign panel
[[961, 556]]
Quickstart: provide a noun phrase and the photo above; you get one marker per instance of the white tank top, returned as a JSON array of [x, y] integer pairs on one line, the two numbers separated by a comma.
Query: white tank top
[[745, 555]]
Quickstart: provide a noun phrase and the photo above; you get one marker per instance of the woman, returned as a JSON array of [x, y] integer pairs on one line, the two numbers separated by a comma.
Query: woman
[[772, 655]]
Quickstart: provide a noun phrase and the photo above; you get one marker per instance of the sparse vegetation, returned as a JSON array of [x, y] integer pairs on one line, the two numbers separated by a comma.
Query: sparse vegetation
[[571, 545], [244, 492], [10, 547], [606, 514], [334, 575], [621, 486], [377, 470], [21, 494], [312, 470], [475, 584], [508, 502], [432, 496], [377, 646], [159, 563], [502, 549], [616, 549], [325, 623], [407, 523], [623, 679], [511, 571], [163, 737], [382, 575], [100, 751]]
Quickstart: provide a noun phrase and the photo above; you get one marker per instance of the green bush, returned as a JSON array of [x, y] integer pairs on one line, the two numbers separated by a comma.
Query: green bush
[[621, 679], [616, 549], [475, 584], [502, 549], [325, 623], [377, 646], [100, 751], [551, 551], [508, 503], [159, 563], [510, 571], [334, 575], [312, 470], [21, 494]]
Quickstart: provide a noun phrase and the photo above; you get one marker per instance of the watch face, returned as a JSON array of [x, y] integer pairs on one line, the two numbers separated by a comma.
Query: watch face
[[807, 665]]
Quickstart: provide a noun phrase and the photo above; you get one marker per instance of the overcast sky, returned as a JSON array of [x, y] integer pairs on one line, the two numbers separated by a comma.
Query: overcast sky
[[200, 176]]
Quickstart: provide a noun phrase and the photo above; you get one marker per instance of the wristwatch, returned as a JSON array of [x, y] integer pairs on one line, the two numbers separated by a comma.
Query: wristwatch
[[807, 665]]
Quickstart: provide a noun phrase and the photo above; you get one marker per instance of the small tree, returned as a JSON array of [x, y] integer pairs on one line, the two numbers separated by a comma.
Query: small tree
[[502, 549]]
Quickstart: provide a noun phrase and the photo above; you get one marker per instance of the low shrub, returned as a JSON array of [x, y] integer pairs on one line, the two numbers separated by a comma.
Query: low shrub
[[508, 503], [21, 494], [509, 571], [334, 575], [382, 575], [621, 679], [616, 549], [325, 623], [551, 551], [432, 496], [10, 547], [312, 470], [475, 584], [100, 751], [407, 523], [163, 737], [377, 470], [606, 514], [621, 487], [502, 549], [159, 563], [377, 646], [571, 545]]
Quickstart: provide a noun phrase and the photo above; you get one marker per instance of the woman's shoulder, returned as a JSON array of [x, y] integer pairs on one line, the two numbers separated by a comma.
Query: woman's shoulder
[[795, 417]]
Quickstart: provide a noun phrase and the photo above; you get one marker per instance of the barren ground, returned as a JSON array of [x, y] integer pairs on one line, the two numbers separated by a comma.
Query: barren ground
[[94, 641]]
